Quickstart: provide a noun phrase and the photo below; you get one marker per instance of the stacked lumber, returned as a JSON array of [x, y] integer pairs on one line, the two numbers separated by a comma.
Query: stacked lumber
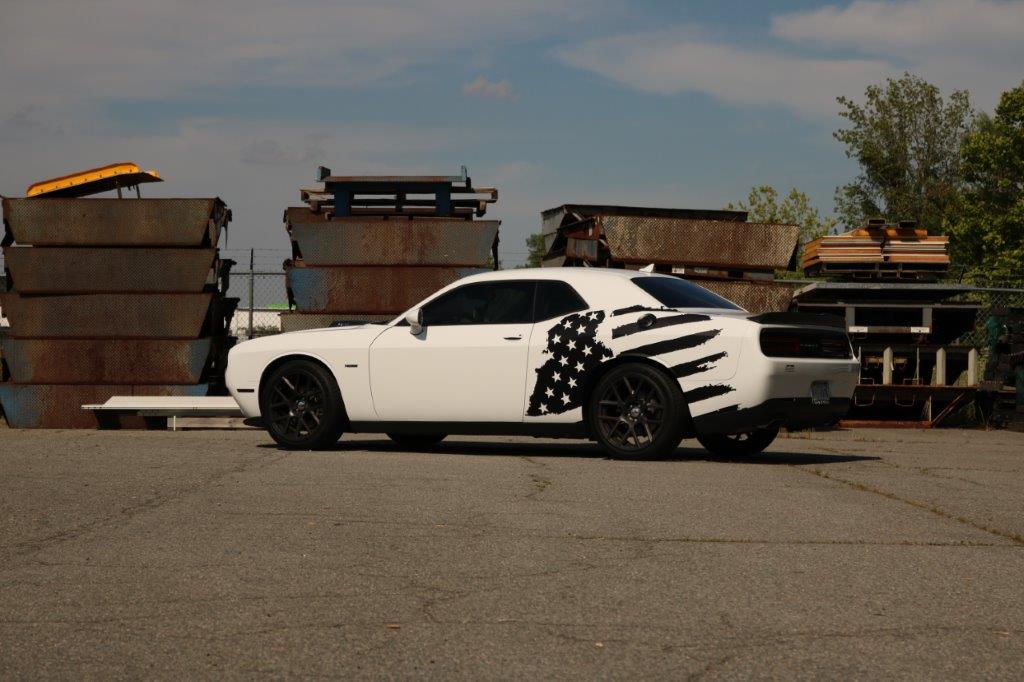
[[879, 249]]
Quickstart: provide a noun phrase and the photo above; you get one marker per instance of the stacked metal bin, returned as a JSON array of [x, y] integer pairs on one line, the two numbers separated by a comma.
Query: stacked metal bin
[[366, 248], [110, 297], [718, 250]]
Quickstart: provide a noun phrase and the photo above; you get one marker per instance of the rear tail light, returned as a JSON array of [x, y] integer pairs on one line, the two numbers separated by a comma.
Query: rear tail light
[[805, 343]]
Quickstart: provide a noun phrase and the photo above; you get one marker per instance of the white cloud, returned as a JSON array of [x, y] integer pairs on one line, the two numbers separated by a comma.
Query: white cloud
[[57, 50], [481, 87], [675, 61], [274, 153], [958, 44], [977, 45], [903, 28]]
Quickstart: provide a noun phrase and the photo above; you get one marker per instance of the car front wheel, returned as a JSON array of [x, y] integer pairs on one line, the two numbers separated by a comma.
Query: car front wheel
[[637, 412], [301, 406], [739, 444]]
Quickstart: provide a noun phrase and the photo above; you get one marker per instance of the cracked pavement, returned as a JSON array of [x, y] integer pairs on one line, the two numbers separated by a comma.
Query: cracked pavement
[[862, 553]]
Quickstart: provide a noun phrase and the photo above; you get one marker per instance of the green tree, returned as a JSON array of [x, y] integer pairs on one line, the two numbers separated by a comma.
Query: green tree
[[535, 245], [907, 141], [764, 206], [987, 238]]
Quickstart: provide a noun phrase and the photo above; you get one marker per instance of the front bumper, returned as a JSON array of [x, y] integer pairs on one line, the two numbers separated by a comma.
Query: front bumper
[[791, 413]]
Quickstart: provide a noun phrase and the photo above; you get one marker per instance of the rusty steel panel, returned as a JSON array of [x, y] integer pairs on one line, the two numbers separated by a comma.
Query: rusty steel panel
[[56, 406], [105, 316], [299, 321], [394, 241], [367, 289], [115, 222], [552, 219], [712, 243], [46, 270], [757, 296], [108, 361], [582, 249]]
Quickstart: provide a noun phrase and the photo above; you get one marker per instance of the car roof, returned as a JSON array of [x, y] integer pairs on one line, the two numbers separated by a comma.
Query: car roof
[[570, 275]]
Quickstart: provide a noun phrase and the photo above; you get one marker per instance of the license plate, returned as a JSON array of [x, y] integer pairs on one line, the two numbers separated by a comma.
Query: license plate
[[820, 393]]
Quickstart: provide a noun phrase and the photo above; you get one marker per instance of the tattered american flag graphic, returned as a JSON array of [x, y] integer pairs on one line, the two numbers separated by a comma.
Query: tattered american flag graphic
[[572, 350]]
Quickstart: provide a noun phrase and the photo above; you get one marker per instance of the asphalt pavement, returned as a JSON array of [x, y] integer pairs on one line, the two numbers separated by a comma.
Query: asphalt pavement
[[204, 554]]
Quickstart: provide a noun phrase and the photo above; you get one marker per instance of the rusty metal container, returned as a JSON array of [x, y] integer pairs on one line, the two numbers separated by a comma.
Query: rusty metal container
[[66, 270], [115, 222], [107, 316], [366, 289], [296, 321], [50, 406], [757, 296], [110, 297], [366, 248], [710, 243], [107, 361], [395, 240]]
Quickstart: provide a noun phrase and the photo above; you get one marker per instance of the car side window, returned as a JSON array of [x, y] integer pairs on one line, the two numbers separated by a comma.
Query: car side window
[[483, 303], [556, 299]]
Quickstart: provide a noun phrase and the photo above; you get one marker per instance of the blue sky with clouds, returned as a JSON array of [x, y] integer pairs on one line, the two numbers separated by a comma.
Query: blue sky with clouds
[[659, 103]]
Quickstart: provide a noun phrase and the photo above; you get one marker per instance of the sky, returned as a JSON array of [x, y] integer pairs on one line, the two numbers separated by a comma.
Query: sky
[[677, 104]]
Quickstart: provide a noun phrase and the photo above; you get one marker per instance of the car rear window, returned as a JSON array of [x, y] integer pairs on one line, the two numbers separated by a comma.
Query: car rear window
[[555, 299], [673, 292]]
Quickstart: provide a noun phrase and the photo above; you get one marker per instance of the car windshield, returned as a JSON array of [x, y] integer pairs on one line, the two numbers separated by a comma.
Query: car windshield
[[673, 292]]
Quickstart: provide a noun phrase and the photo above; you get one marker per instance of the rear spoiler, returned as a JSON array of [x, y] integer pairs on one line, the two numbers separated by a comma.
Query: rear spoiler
[[801, 319]]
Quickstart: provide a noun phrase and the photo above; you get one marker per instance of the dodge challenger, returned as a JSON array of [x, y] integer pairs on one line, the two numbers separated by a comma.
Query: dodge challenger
[[632, 360]]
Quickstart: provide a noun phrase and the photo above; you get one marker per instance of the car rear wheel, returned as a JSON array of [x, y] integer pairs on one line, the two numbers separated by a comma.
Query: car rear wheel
[[301, 406], [637, 412], [739, 444], [417, 441]]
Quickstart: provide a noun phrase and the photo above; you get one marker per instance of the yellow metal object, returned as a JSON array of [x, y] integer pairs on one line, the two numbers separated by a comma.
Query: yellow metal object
[[93, 181]]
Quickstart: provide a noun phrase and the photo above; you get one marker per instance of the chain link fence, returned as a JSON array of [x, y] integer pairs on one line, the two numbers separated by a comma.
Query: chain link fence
[[257, 281], [990, 299]]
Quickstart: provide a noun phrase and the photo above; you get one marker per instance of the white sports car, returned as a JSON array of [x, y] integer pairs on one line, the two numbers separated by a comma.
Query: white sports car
[[635, 361]]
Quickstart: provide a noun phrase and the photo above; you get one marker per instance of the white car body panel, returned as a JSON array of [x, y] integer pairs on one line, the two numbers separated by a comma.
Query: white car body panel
[[475, 371], [522, 373], [344, 350]]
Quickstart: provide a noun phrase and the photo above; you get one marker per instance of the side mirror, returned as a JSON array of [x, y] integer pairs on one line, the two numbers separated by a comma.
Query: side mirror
[[415, 319]]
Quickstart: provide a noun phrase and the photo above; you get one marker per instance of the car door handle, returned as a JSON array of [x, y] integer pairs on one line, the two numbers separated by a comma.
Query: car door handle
[[513, 338]]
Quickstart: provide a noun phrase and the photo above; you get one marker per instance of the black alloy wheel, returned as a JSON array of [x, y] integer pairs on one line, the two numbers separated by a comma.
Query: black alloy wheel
[[637, 412], [301, 406], [739, 444]]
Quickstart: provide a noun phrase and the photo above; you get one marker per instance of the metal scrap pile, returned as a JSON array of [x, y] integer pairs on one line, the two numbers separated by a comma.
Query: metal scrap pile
[[905, 325], [109, 297], [717, 249], [365, 248]]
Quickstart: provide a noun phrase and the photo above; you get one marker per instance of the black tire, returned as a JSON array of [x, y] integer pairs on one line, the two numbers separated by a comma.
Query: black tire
[[301, 406], [417, 441], [739, 444], [637, 412]]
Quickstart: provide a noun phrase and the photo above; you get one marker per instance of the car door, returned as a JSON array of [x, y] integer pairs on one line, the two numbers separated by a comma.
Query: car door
[[467, 364], [554, 385]]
